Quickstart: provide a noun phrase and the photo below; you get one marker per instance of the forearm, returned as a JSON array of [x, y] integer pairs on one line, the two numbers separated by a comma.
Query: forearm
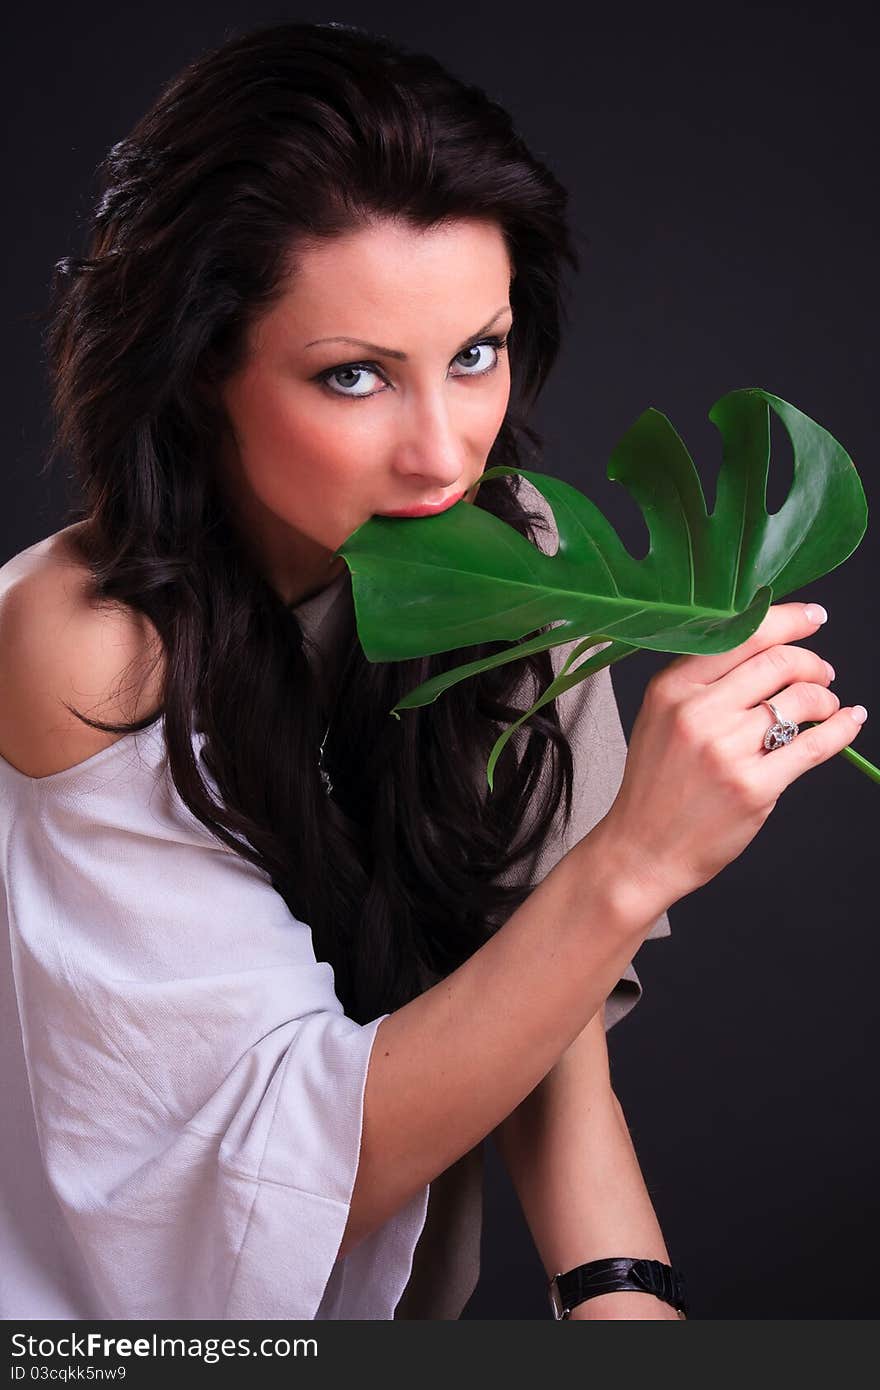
[[569, 1153], [449, 1065]]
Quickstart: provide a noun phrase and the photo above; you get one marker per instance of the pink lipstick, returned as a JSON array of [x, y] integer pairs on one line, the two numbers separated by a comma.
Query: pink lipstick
[[427, 509]]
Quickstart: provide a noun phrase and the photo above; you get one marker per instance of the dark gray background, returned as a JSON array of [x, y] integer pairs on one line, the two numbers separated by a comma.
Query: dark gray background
[[723, 169]]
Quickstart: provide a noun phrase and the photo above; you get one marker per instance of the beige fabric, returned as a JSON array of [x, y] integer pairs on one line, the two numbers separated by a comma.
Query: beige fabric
[[446, 1264]]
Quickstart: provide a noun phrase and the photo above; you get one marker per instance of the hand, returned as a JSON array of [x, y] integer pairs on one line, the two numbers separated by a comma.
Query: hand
[[698, 783]]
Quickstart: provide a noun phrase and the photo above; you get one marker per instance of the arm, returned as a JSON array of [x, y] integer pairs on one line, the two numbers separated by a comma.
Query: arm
[[394, 1101], [570, 1157], [566, 1145]]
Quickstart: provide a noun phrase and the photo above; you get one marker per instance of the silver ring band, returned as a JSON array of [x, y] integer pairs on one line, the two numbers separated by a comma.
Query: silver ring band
[[783, 731]]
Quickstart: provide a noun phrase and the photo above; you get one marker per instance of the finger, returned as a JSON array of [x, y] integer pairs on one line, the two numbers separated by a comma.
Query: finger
[[800, 704], [764, 676], [783, 622], [810, 747]]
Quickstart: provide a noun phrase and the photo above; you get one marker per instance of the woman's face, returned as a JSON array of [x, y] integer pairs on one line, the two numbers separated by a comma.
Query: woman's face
[[323, 435]]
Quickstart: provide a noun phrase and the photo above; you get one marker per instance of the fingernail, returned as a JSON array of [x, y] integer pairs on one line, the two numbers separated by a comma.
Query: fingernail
[[815, 613], [859, 713], [831, 672]]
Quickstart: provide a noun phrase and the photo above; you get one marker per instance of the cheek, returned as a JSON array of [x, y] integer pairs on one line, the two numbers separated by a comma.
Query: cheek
[[296, 444], [494, 413]]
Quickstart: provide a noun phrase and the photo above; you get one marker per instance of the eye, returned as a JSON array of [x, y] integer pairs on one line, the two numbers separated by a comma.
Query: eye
[[497, 344], [358, 370]]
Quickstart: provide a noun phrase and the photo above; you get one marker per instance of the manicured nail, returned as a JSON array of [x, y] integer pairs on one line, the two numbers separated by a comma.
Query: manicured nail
[[815, 613], [859, 713], [831, 671]]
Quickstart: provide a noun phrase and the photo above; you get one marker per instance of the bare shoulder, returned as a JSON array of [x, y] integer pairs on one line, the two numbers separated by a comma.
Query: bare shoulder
[[59, 647]]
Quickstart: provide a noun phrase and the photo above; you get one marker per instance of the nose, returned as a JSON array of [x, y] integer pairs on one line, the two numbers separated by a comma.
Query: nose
[[431, 449]]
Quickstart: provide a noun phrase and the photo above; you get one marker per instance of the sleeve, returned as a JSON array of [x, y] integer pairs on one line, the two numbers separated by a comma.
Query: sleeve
[[197, 1087], [589, 714]]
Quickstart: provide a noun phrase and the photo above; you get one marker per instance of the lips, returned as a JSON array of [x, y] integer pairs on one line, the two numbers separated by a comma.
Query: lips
[[427, 508]]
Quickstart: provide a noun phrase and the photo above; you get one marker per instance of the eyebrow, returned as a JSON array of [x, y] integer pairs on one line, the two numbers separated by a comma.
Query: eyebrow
[[401, 356]]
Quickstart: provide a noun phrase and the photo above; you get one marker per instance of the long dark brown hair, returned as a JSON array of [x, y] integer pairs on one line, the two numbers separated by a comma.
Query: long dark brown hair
[[286, 134]]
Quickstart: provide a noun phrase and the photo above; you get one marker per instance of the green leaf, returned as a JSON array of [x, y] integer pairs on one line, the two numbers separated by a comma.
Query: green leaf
[[434, 584]]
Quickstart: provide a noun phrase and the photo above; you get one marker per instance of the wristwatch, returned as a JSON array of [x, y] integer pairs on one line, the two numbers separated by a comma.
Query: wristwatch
[[612, 1275]]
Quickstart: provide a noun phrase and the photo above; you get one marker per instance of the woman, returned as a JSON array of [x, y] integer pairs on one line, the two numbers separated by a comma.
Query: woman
[[278, 964]]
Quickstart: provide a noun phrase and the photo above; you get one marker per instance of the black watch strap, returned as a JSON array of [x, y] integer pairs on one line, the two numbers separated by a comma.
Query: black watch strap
[[612, 1275]]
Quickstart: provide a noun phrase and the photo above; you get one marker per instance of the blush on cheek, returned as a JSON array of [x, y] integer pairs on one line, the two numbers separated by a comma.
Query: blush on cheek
[[321, 439]]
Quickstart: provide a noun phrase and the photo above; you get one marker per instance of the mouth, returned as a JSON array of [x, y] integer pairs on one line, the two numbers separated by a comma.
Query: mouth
[[426, 508]]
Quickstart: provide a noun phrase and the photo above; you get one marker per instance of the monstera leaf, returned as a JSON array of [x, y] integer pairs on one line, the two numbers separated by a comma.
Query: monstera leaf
[[435, 584]]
